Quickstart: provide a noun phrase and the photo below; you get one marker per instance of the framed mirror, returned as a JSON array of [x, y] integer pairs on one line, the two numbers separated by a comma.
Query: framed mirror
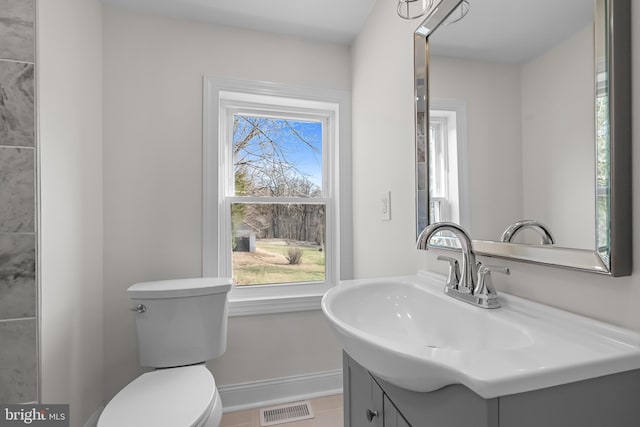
[[523, 130]]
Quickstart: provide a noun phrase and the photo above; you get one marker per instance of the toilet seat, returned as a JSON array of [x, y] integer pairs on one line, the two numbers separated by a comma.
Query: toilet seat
[[173, 397]]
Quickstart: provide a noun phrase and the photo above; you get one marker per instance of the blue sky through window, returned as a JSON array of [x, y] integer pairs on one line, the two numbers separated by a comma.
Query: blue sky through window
[[267, 150]]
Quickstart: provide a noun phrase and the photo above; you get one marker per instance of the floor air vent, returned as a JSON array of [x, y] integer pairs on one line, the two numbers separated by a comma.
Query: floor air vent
[[285, 413]]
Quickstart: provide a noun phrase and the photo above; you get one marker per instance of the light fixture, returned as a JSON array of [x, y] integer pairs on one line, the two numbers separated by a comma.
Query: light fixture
[[458, 13], [412, 9]]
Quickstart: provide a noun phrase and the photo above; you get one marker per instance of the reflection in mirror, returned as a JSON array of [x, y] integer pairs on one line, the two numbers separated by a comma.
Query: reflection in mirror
[[520, 227], [519, 125]]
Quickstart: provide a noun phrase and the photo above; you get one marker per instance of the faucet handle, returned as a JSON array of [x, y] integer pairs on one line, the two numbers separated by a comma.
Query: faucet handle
[[485, 284], [453, 279], [484, 269]]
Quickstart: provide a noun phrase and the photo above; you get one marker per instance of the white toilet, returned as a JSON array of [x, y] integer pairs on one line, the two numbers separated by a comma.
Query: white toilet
[[180, 324]]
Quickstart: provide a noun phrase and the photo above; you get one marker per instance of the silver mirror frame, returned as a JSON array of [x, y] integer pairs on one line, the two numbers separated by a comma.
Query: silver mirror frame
[[620, 209]]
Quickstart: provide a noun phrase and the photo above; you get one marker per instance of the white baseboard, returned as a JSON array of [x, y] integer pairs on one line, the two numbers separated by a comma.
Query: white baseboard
[[238, 397], [257, 394], [93, 420]]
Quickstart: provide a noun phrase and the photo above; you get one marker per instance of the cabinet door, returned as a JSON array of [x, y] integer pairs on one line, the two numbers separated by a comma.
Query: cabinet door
[[392, 417], [452, 406], [363, 405]]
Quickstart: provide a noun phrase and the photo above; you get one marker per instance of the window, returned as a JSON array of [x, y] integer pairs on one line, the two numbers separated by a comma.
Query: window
[[271, 220], [277, 197], [439, 201], [446, 157]]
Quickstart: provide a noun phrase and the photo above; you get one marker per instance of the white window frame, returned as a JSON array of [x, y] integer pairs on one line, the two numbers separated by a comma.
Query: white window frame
[[441, 167], [222, 99], [452, 115], [449, 120]]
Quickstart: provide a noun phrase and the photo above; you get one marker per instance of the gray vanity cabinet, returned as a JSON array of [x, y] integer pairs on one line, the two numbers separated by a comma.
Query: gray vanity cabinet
[[453, 406], [363, 396], [608, 401], [393, 417], [368, 405]]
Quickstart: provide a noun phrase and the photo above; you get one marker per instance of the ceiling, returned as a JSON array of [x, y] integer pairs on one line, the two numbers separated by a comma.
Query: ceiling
[[511, 31], [336, 21]]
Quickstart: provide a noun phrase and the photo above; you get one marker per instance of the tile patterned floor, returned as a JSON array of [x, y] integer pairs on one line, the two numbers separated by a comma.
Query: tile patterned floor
[[327, 412]]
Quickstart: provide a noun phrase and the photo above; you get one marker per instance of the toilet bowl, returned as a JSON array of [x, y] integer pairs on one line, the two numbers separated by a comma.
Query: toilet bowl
[[172, 397], [180, 324]]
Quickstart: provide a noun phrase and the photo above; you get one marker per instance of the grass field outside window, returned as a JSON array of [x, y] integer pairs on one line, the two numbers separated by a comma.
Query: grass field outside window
[[269, 264]]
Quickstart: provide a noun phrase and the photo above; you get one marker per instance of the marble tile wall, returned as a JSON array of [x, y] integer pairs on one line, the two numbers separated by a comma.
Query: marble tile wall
[[18, 233], [18, 361], [16, 104], [17, 190], [17, 22]]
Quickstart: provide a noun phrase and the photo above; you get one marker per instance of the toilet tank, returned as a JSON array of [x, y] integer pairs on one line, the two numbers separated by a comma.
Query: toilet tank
[[180, 322]]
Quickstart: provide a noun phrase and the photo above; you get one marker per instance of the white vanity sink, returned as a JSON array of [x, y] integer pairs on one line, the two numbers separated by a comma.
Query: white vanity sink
[[406, 331]]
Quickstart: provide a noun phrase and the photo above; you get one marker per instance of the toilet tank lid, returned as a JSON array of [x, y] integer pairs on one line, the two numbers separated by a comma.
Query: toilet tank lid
[[180, 287]]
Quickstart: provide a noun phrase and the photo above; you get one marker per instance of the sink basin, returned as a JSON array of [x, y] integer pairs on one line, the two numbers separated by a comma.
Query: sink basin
[[406, 331]]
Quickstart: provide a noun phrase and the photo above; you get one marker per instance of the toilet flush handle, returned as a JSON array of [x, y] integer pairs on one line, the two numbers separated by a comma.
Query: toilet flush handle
[[140, 308]]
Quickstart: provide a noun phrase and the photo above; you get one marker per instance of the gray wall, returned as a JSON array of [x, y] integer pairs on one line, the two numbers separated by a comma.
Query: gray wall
[[18, 304]]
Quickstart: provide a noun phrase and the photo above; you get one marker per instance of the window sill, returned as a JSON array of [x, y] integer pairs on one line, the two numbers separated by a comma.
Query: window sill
[[282, 304], [270, 299]]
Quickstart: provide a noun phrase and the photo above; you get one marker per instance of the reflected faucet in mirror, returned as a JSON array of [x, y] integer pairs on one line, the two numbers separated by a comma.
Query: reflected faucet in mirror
[[542, 230], [474, 285]]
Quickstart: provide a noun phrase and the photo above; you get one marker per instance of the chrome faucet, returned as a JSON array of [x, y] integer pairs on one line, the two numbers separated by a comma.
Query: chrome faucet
[[543, 231], [472, 283], [467, 274]]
